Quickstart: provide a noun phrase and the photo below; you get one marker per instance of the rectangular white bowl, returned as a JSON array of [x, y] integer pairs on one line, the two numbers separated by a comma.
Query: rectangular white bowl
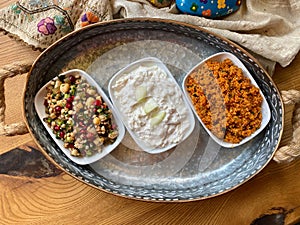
[[130, 67], [266, 114], [40, 109]]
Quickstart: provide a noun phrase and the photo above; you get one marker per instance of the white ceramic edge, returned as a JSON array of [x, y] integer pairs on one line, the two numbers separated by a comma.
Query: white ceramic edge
[[266, 114], [40, 108], [114, 101]]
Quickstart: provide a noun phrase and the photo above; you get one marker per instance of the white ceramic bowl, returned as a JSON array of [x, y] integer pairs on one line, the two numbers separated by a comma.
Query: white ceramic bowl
[[126, 116], [266, 115], [40, 108]]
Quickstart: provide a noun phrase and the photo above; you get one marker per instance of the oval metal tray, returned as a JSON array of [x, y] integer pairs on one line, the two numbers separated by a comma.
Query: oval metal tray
[[197, 168]]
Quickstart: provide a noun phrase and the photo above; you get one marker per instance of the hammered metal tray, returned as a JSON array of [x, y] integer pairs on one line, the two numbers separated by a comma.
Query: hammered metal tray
[[197, 168]]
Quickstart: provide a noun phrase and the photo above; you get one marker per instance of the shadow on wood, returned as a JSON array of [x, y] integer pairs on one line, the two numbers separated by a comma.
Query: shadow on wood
[[31, 163]]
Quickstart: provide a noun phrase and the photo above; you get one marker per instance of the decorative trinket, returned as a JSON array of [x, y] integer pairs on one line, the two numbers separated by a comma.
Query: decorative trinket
[[207, 8]]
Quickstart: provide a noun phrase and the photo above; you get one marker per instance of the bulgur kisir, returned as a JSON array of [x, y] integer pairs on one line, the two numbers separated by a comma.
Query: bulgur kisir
[[78, 116], [225, 100]]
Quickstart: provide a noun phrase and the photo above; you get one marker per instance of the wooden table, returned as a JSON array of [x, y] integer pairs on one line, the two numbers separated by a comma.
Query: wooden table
[[33, 191]]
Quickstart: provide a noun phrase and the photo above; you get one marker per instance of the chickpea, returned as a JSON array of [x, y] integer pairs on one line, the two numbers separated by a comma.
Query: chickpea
[[57, 84], [90, 101], [113, 135], [91, 91], [60, 102], [96, 121], [101, 140], [64, 88], [69, 139], [78, 145], [102, 130], [78, 106], [96, 141], [74, 152], [102, 117]]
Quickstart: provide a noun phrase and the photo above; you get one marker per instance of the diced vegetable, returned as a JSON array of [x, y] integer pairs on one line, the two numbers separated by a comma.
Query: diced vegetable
[[140, 93], [150, 105], [157, 118]]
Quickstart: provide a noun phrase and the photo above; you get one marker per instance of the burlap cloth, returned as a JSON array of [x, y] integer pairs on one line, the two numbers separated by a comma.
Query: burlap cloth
[[268, 29]]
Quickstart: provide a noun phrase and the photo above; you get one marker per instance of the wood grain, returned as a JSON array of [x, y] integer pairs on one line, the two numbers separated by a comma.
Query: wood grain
[[33, 191], [61, 199]]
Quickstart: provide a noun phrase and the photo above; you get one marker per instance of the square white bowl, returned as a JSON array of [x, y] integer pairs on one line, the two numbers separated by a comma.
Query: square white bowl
[[149, 61], [40, 109], [266, 114]]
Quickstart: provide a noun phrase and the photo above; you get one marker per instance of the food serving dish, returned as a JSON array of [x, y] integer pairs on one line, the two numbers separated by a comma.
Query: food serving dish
[[265, 110], [195, 169], [153, 103], [40, 109]]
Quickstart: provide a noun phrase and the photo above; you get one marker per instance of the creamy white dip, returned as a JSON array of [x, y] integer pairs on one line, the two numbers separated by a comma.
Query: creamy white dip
[[167, 96]]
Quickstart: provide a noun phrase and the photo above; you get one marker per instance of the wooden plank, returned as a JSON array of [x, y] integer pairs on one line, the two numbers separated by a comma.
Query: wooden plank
[[34, 191]]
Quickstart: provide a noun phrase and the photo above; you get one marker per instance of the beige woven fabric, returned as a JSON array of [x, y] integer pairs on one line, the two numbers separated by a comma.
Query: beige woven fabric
[[39, 23], [269, 28]]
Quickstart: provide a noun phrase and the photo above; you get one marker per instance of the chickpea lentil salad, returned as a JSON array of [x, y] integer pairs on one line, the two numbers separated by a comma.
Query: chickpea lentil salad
[[78, 115]]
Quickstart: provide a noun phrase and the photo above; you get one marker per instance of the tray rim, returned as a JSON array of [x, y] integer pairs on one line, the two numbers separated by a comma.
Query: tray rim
[[164, 21]]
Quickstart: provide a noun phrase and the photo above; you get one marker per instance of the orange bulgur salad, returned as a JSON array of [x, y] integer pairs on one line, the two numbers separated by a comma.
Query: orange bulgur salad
[[227, 102]]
